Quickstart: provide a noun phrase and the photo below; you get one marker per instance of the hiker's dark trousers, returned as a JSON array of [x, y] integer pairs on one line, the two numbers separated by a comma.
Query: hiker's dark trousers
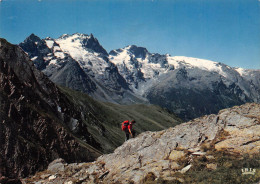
[[127, 134]]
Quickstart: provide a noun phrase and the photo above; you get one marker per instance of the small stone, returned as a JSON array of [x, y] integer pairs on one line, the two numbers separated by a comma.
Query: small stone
[[44, 176], [175, 155], [211, 166], [52, 177], [192, 150], [185, 169], [57, 165], [180, 180], [199, 153]]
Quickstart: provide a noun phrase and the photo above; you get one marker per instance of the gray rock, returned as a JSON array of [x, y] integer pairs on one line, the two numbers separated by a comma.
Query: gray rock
[[57, 165]]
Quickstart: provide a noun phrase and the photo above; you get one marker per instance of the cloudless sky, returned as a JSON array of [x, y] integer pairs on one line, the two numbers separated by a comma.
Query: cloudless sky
[[226, 31]]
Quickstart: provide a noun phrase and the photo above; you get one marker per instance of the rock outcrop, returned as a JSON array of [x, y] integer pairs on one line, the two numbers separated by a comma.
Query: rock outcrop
[[203, 144]]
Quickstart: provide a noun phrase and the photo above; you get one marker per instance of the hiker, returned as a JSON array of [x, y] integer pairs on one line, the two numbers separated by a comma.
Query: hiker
[[127, 127]]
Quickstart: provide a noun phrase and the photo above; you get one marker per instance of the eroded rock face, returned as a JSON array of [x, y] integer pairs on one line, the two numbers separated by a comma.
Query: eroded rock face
[[161, 154]]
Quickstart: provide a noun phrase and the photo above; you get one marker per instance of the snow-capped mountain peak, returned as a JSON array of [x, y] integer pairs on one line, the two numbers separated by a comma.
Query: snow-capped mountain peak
[[137, 65], [138, 52], [73, 45], [190, 62], [131, 51], [86, 50], [81, 42]]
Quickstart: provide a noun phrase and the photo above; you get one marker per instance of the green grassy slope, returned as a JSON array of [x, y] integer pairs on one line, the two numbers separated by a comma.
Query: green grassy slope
[[107, 127]]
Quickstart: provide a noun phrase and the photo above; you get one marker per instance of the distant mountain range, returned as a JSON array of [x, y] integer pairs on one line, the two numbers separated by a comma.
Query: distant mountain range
[[189, 87]]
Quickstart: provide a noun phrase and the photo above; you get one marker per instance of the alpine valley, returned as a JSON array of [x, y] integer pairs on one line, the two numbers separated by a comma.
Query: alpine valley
[[40, 121], [189, 87]]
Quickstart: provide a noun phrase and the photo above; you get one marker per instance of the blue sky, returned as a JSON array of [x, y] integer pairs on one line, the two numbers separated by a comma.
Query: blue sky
[[226, 31]]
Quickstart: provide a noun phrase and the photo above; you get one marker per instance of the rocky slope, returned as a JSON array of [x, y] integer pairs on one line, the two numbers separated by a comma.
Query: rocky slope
[[210, 149], [189, 87], [41, 122], [38, 122]]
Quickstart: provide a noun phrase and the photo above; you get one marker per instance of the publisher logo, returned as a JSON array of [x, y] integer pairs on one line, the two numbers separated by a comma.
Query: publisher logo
[[246, 171]]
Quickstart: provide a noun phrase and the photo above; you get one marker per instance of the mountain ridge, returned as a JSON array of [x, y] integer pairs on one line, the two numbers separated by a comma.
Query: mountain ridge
[[134, 75], [105, 82]]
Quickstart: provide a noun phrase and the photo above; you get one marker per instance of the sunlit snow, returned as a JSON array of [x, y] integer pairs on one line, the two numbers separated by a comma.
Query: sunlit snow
[[47, 58], [195, 62], [60, 55], [241, 71], [34, 58], [73, 45], [49, 43], [54, 62]]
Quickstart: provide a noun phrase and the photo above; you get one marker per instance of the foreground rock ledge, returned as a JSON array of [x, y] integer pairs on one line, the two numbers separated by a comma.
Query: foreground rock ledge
[[161, 154]]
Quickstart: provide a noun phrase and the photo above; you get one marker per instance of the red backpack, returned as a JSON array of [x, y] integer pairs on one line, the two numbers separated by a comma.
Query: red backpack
[[125, 125]]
